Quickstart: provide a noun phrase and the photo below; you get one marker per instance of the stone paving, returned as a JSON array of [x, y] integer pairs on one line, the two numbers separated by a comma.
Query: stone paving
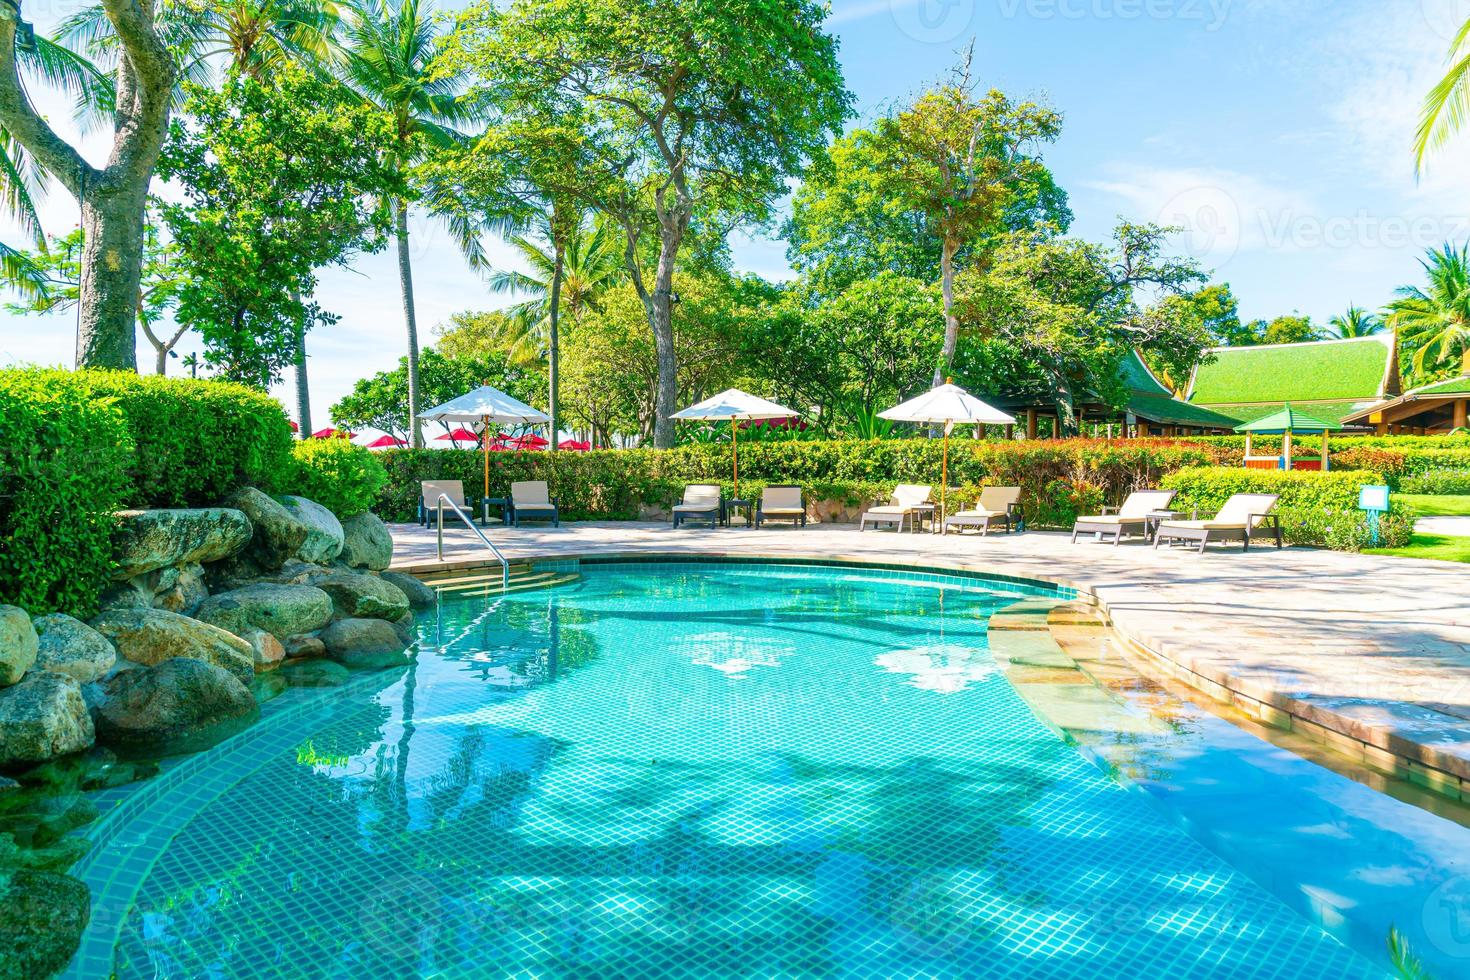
[[1453, 527], [1374, 650]]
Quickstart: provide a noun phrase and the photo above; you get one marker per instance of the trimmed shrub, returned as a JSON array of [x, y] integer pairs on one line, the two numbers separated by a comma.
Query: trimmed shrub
[[1437, 482], [195, 441], [343, 478], [64, 464], [1315, 508]]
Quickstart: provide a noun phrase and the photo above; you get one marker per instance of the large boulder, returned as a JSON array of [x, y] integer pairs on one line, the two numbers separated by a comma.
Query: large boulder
[[358, 594], [267, 649], [146, 540], [365, 643], [42, 918], [71, 647], [180, 705], [420, 596], [152, 636], [18, 643], [366, 542], [324, 535], [278, 535], [305, 645], [281, 610], [43, 717], [315, 673], [185, 593]]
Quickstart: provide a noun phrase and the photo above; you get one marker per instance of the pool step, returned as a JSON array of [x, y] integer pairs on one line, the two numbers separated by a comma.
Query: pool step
[[488, 581]]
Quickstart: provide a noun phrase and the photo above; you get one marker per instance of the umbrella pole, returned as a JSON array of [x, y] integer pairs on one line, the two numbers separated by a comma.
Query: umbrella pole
[[944, 482], [485, 442], [735, 455]]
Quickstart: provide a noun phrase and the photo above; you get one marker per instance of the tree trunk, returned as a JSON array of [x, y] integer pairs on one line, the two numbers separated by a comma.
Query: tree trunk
[[661, 318], [554, 343], [1066, 410], [112, 263], [405, 278], [303, 386], [951, 324]]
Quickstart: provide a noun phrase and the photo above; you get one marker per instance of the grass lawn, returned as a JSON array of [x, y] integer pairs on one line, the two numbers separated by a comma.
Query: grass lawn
[[1436, 505], [1440, 547]]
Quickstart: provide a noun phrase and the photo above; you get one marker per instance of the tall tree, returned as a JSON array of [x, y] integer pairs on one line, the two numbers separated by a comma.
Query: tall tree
[[279, 178], [964, 162], [673, 107], [1355, 322], [113, 197], [393, 58], [1448, 103], [1434, 320], [380, 401]]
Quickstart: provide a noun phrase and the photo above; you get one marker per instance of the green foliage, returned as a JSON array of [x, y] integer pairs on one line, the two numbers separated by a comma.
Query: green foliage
[[280, 178], [64, 459], [1453, 482], [342, 477], [1315, 508], [1433, 322], [1063, 501], [195, 441]]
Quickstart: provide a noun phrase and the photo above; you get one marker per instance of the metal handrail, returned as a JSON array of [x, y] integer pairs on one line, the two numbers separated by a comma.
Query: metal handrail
[[504, 565]]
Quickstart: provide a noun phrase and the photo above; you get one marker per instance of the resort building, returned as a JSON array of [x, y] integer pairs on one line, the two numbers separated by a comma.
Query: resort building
[[1333, 380], [1433, 409]]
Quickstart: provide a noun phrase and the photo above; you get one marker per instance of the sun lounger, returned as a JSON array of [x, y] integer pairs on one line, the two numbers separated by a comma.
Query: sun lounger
[[1131, 518], [1239, 520], [996, 505], [530, 500], [429, 491], [781, 503], [701, 503], [904, 505]]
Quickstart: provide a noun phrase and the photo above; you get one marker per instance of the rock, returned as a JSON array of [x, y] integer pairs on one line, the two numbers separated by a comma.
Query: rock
[[185, 593], [366, 542], [43, 717], [267, 649], [8, 785], [315, 673], [278, 535], [358, 594], [281, 610], [304, 645], [152, 636], [365, 643], [268, 687], [420, 596], [324, 535], [125, 595], [42, 917], [71, 647], [18, 643], [180, 705], [405, 627], [150, 539], [58, 855]]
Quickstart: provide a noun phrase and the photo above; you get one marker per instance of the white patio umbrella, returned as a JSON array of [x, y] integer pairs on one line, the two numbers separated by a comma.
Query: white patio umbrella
[[948, 405], [735, 405], [486, 405]]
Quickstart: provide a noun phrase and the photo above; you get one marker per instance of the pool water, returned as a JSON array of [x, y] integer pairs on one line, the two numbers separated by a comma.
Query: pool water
[[694, 771]]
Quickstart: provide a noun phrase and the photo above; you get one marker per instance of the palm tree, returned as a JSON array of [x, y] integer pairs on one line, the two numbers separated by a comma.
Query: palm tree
[[392, 58], [1435, 320], [1356, 322], [1448, 102]]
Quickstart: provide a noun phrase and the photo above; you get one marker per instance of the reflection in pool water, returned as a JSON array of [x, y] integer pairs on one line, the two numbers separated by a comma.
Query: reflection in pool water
[[698, 771]]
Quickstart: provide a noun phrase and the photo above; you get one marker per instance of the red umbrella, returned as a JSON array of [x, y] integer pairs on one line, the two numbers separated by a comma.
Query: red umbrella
[[792, 423], [387, 442], [574, 445], [331, 434], [460, 435], [293, 425], [531, 441]]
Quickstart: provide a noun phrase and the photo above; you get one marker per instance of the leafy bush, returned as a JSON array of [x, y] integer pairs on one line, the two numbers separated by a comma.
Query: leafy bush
[[195, 441], [64, 464], [1313, 506], [1437, 482], [343, 478], [1389, 462], [1063, 501]]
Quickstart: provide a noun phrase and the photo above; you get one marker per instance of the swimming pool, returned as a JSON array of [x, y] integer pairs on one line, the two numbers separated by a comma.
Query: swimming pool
[[687, 770]]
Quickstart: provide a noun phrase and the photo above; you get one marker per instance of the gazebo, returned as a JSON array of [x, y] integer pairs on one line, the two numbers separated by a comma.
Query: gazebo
[[1286, 423]]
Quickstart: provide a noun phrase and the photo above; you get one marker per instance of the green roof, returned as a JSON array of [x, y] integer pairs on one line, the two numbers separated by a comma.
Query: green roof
[[1330, 411], [1289, 420], [1329, 370], [1148, 398], [1450, 386]]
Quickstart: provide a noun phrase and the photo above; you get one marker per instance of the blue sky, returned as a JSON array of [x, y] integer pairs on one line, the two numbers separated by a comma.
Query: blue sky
[[1277, 131]]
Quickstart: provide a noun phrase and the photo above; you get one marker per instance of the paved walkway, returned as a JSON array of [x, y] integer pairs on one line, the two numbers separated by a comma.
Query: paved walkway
[[1453, 527], [1375, 649]]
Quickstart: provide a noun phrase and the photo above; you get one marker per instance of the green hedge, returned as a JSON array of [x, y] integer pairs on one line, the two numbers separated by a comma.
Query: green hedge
[[64, 459], [1453, 482], [616, 484], [1315, 508], [341, 477], [196, 441]]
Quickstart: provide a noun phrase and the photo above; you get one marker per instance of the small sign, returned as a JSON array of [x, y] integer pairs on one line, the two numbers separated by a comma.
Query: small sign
[[1373, 498]]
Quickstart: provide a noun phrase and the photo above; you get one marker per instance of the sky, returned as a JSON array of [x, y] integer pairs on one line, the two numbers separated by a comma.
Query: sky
[[1278, 133]]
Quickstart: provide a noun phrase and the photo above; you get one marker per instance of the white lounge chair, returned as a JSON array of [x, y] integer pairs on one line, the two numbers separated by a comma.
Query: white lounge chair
[[904, 505], [995, 504], [701, 503], [781, 503], [1131, 518], [530, 500], [1238, 520], [429, 491]]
